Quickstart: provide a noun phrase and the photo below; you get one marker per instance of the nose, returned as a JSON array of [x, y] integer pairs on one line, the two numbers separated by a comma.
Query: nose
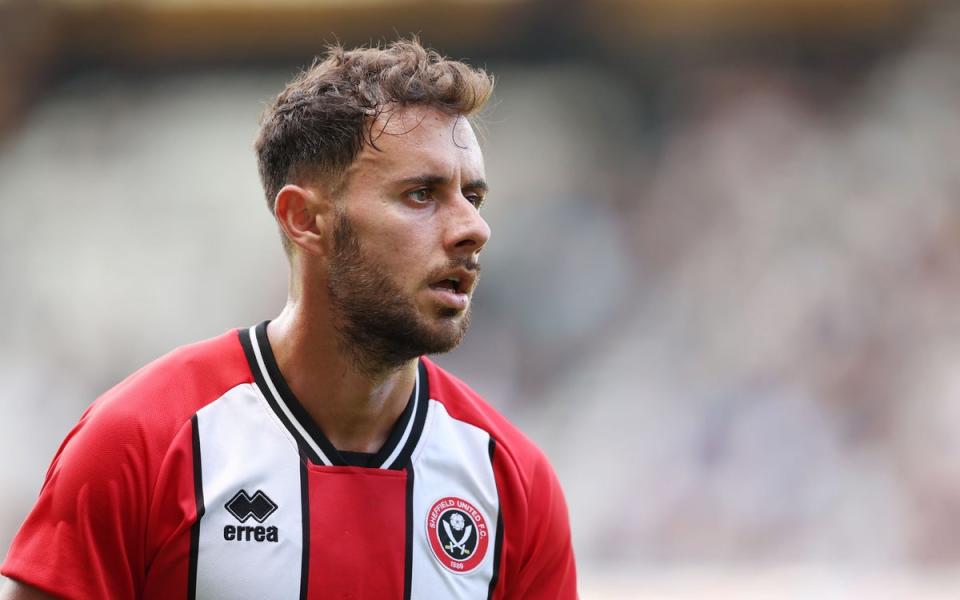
[[468, 232]]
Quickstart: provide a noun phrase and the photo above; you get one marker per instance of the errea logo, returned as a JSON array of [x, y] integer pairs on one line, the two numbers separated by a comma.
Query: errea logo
[[243, 506]]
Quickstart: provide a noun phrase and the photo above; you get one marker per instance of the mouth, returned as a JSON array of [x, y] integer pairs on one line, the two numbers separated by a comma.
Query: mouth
[[450, 284], [453, 288], [459, 281]]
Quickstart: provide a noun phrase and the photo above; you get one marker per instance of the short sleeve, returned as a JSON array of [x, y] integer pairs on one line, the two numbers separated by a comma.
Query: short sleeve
[[84, 536], [547, 570], [535, 559]]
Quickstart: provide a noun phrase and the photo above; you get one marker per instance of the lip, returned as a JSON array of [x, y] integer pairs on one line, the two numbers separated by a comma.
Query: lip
[[467, 279], [449, 298], [459, 298]]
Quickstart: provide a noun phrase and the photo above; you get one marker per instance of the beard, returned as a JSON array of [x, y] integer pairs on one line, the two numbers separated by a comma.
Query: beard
[[379, 328]]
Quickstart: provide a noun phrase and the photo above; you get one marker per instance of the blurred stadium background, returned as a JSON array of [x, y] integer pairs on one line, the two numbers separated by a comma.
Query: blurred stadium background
[[721, 292]]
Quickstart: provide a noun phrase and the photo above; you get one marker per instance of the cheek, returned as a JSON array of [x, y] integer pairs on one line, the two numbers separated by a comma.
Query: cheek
[[397, 255], [403, 247], [406, 245]]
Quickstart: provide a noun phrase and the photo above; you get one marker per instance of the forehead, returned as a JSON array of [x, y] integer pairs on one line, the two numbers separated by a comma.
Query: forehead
[[414, 141]]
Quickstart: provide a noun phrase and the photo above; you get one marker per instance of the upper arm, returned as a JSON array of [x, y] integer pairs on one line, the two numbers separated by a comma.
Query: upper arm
[[547, 569], [84, 535], [537, 553], [14, 590]]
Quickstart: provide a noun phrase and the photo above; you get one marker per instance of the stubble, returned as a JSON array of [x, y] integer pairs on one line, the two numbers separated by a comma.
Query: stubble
[[379, 328]]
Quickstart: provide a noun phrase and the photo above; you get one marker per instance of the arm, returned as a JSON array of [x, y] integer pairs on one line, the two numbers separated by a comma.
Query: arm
[[548, 571], [83, 537], [537, 554], [14, 590]]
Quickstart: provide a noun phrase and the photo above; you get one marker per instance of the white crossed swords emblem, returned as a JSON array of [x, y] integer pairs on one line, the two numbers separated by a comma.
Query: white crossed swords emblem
[[454, 543]]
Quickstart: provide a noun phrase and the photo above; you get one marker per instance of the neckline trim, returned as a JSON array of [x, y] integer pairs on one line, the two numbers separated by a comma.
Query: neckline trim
[[313, 444]]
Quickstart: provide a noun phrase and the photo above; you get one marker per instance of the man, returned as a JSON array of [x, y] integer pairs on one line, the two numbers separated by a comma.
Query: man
[[319, 455]]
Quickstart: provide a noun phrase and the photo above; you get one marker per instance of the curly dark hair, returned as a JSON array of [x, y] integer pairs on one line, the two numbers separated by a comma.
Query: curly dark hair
[[319, 123]]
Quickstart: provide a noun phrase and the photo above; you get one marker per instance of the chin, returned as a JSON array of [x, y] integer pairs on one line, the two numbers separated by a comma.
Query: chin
[[446, 332], [452, 314]]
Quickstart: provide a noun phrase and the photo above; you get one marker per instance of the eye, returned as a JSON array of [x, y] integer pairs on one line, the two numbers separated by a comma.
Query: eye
[[420, 195], [475, 199]]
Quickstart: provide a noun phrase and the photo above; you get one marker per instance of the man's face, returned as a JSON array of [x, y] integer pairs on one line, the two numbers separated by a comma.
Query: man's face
[[406, 239]]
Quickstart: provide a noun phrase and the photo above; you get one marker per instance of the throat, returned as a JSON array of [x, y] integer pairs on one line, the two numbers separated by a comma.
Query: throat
[[357, 414]]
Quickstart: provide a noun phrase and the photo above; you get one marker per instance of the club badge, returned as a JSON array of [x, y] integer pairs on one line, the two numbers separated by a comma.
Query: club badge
[[457, 533]]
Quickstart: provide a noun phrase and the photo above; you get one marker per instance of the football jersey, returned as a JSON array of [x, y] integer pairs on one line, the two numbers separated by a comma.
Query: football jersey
[[202, 476]]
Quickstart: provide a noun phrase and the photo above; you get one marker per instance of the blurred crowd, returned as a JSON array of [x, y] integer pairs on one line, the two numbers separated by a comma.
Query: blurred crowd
[[766, 366]]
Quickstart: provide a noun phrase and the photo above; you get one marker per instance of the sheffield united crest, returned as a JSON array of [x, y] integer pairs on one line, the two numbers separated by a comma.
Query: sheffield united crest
[[457, 533]]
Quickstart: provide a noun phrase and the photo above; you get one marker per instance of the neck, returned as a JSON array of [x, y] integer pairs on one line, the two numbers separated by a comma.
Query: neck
[[355, 406]]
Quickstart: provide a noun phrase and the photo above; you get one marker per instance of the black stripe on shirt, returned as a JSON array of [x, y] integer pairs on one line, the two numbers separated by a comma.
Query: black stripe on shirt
[[198, 499], [408, 537], [290, 400], [415, 410], [258, 377], [305, 525], [419, 418], [498, 543]]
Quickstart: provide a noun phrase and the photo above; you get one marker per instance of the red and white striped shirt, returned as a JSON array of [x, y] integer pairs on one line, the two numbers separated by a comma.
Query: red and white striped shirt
[[202, 476]]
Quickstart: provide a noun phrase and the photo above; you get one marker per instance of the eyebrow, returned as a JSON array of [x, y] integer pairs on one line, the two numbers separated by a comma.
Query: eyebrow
[[435, 180]]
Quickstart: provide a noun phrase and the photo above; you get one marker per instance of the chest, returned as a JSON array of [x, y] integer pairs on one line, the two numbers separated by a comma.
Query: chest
[[273, 524]]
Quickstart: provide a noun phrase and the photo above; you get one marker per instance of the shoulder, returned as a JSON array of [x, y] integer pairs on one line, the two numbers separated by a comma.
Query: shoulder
[[466, 405], [89, 528], [168, 391], [536, 554], [137, 420], [123, 438]]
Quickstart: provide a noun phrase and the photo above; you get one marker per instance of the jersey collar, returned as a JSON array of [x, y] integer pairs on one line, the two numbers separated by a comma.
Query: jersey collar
[[395, 453]]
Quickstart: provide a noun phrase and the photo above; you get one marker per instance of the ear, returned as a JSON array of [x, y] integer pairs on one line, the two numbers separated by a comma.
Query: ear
[[301, 213]]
